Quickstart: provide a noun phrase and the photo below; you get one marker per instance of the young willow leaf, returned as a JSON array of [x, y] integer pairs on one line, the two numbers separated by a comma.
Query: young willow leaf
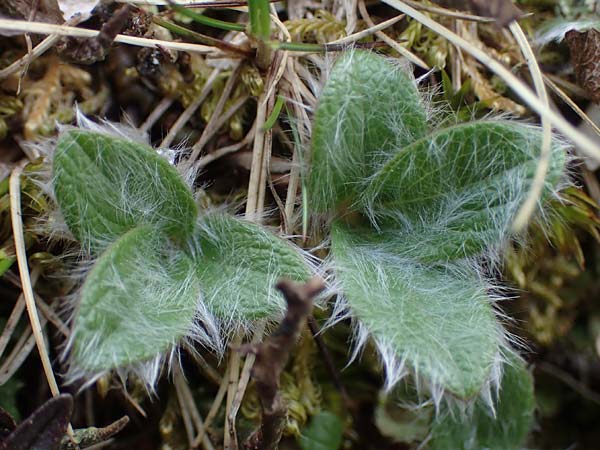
[[138, 300], [455, 192], [106, 186], [367, 111], [439, 321], [506, 431], [238, 265]]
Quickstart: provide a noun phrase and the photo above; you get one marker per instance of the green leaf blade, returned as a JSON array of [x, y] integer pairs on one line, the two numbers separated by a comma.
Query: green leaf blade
[[105, 186], [437, 320], [325, 432], [506, 431], [367, 110], [238, 264], [138, 300], [455, 193]]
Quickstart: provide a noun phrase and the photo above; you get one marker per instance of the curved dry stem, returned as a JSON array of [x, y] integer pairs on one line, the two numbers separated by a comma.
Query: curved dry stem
[[16, 314], [529, 205], [219, 153], [36, 327]]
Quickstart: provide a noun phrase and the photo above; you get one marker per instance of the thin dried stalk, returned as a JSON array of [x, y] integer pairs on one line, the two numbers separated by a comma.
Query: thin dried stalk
[[15, 315], [565, 98], [64, 30], [212, 126], [219, 153], [189, 409], [156, 114], [233, 366], [529, 205], [19, 354], [190, 110], [214, 409], [36, 327], [272, 356], [389, 41]]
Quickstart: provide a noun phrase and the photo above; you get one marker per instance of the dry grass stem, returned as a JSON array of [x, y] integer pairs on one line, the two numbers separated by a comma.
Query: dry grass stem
[[36, 52], [565, 98], [219, 153], [214, 409], [156, 114], [373, 29], [212, 126], [189, 409], [208, 371], [191, 109], [389, 41], [15, 315], [133, 402], [183, 406], [529, 205], [36, 327], [449, 13], [64, 30], [18, 355], [233, 367]]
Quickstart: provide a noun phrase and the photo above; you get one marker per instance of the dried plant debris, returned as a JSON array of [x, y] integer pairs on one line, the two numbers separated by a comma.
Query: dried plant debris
[[88, 437], [45, 11], [585, 56], [44, 429], [91, 50], [272, 356]]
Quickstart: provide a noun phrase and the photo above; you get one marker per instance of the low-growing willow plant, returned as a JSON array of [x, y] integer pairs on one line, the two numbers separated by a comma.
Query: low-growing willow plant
[[416, 212], [162, 269]]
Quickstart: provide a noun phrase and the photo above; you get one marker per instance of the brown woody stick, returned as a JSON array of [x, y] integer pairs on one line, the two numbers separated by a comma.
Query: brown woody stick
[[271, 357]]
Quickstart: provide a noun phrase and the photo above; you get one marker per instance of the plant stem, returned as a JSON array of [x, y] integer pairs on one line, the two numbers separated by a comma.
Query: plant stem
[[208, 21], [36, 327], [272, 356], [260, 28], [199, 37]]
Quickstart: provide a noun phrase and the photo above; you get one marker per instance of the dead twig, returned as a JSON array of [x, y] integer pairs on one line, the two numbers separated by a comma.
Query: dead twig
[[272, 356]]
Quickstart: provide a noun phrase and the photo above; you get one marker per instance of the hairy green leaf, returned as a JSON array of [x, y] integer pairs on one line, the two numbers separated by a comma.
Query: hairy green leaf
[[455, 193], [323, 433], [506, 431], [238, 265], [439, 321], [106, 186], [367, 111], [137, 301]]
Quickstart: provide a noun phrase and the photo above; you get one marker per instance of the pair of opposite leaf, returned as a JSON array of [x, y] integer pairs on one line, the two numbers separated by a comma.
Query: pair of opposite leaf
[[415, 212], [163, 270]]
